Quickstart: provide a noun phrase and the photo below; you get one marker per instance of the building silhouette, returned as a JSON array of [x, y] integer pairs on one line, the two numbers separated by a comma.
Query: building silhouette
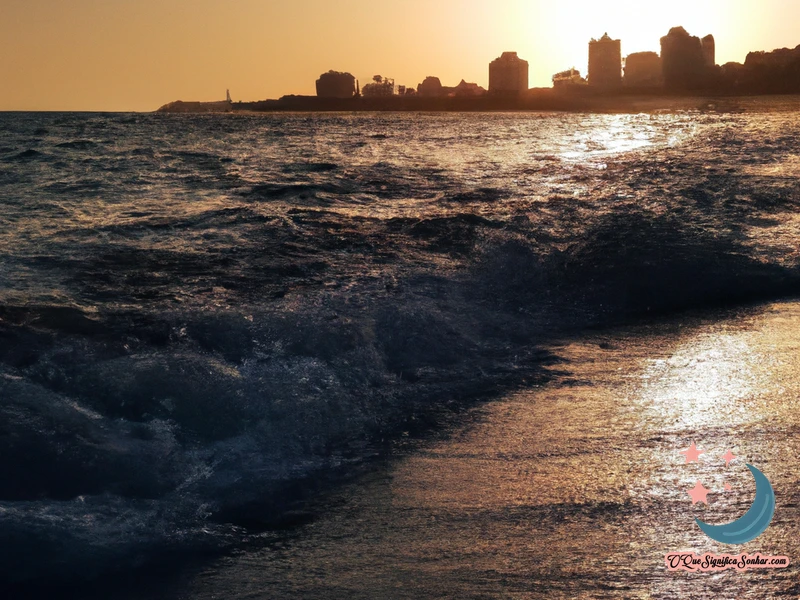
[[403, 90], [431, 87], [776, 72], [687, 61], [336, 85], [508, 75], [466, 90], [643, 69], [605, 63], [709, 51]]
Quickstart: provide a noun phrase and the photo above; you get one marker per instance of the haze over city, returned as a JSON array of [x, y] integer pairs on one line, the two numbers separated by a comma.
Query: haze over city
[[89, 55]]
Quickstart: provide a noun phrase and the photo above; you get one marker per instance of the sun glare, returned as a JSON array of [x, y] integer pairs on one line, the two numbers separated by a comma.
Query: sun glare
[[567, 27]]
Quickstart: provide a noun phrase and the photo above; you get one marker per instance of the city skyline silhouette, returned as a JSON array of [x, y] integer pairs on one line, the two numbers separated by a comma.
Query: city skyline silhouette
[[88, 56]]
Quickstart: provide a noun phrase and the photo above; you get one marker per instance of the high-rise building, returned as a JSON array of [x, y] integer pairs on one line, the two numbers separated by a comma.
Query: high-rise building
[[687, 60], [605, 63], [508, 75]]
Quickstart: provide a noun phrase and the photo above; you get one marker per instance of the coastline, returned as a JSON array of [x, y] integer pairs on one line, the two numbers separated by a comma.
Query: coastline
[[541, 101]]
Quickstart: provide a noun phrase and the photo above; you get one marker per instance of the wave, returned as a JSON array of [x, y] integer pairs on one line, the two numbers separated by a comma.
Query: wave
[[167, 422], [274, 191], [185, 370], [79, 145], [28, 155]]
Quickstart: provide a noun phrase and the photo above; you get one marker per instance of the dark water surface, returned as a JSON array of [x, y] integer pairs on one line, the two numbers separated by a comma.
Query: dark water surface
[[197, 312]]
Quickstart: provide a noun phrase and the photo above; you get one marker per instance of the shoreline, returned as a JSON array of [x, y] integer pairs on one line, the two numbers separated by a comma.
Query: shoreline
[[407, 525], [538, 102], [536, 495], [309, 505]]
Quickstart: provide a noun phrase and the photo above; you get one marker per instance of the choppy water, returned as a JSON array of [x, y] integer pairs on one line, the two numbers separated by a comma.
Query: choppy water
[[196, 311], [575, 489]]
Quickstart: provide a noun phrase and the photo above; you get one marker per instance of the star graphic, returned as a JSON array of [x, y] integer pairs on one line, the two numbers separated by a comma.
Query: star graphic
[[698, 494], [728, 457], [728, 487], [692, 454]]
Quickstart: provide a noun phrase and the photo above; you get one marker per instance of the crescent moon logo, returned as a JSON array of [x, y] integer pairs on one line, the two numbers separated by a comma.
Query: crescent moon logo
[[753, 523]]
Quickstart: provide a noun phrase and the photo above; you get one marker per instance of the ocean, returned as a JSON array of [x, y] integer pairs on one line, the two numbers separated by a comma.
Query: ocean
[[206, 318]]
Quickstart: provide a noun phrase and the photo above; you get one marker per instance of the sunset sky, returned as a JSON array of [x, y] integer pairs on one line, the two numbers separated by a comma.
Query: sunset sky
[[139, 54]]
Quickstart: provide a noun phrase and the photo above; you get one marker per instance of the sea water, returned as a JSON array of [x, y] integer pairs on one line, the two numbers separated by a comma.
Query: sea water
[[196, 312]]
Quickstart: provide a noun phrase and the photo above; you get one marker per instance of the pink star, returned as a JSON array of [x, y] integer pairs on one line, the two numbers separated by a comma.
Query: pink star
[[728, 457], [692, 454], [698, 494], [728, 487]]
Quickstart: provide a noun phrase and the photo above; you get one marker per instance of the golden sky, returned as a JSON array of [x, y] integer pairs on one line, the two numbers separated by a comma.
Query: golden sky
[[139, 54]]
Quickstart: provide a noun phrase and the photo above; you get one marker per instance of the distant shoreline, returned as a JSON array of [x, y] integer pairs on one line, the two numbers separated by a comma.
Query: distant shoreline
[[538, 101]]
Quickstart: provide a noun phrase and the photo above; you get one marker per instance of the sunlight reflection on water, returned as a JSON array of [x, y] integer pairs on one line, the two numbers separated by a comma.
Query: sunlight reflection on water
[[707, 380]]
